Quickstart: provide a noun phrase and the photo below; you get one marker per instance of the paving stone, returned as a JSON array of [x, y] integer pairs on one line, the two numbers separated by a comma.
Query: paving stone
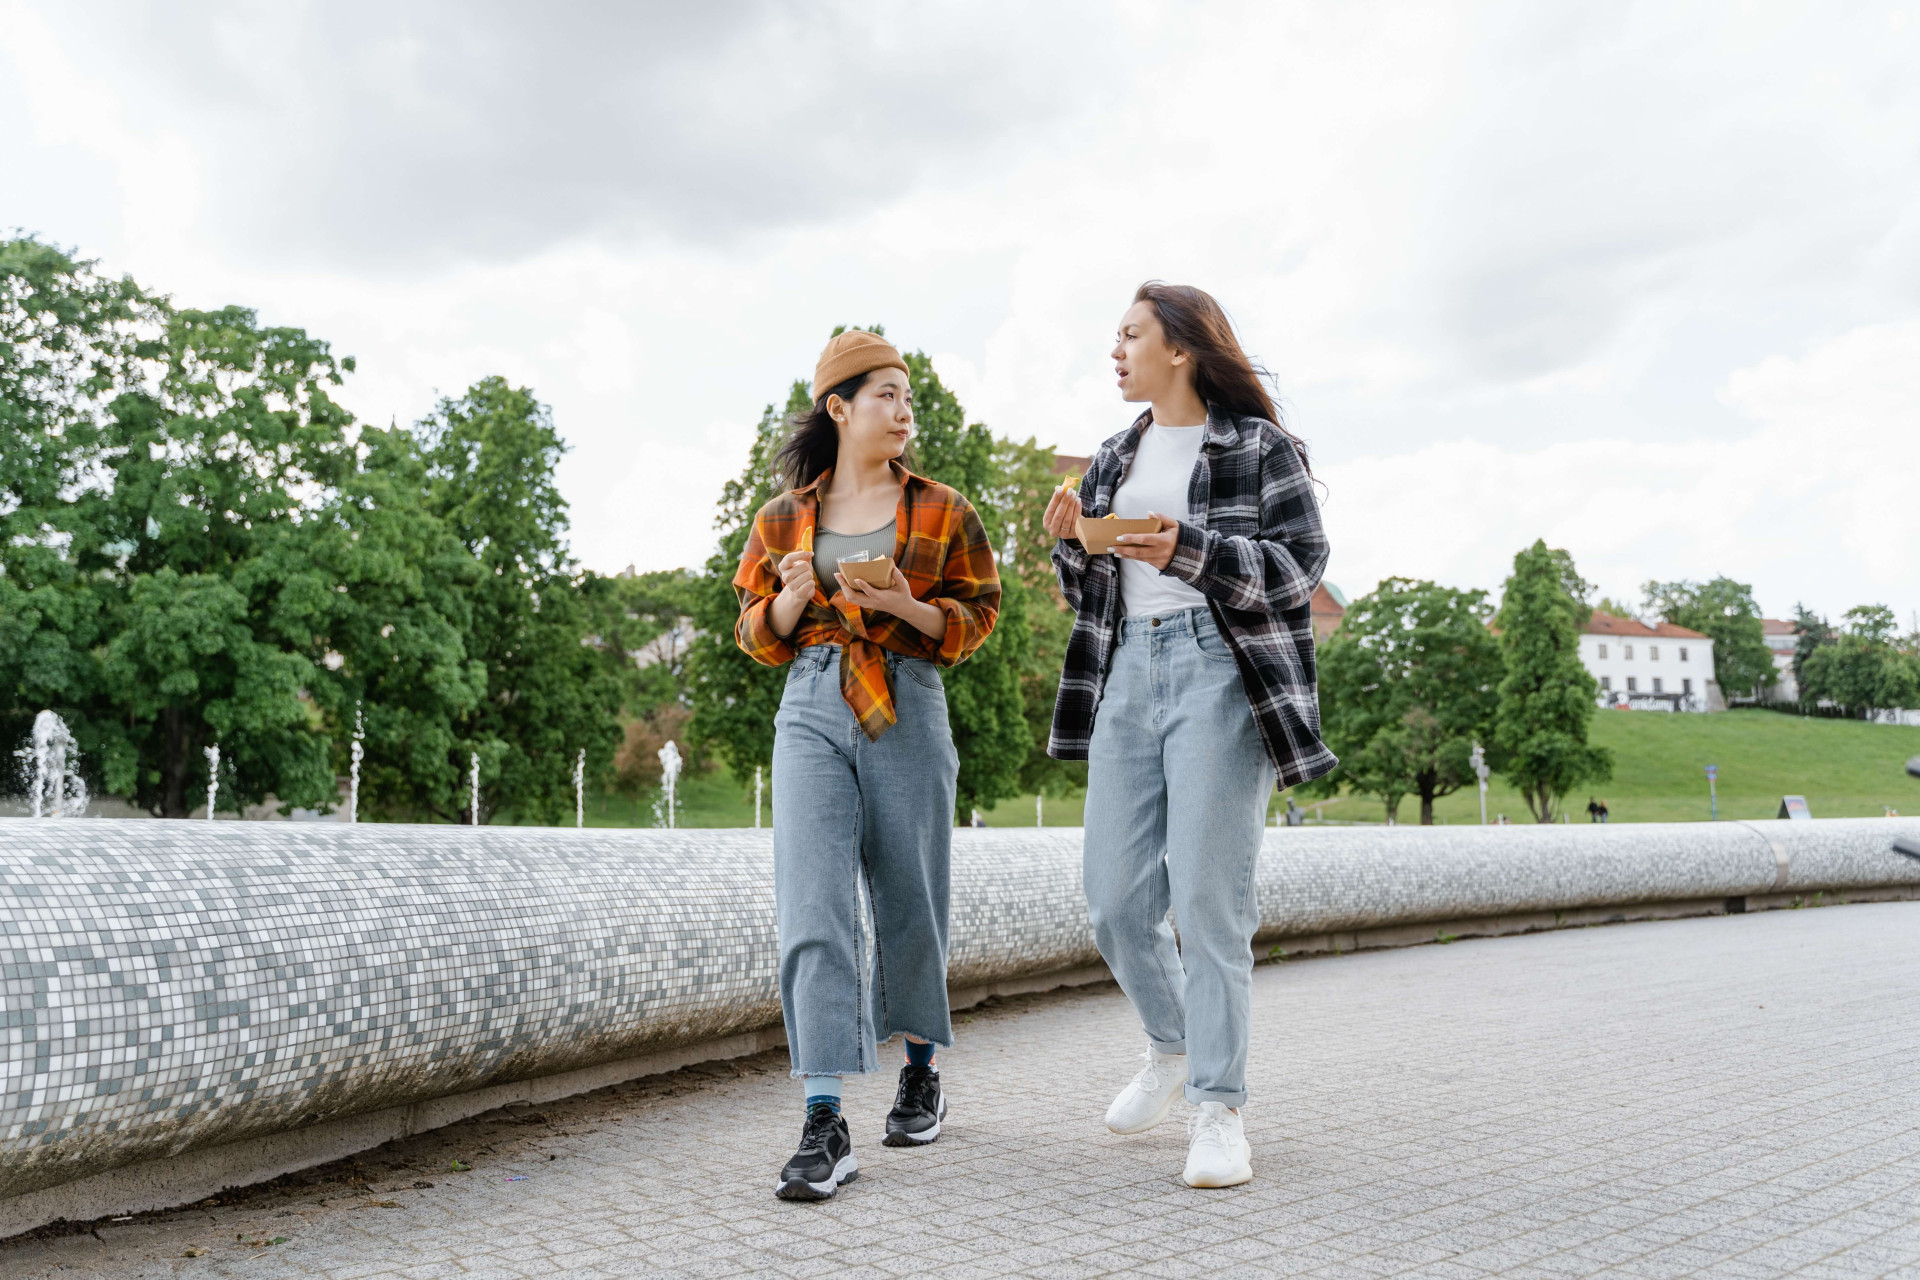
[[1607, 1101]]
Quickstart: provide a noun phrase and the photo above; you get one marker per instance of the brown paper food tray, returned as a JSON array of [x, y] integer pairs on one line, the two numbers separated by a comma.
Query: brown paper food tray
[[875, 573], [1097, 535]]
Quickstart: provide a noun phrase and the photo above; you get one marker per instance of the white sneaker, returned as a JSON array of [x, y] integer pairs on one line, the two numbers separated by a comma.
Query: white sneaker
[[1217, 1151], [1145, 1102]]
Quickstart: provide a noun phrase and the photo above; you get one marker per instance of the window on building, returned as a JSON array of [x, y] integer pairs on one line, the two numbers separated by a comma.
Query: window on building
[[1653, 653], [1603, 652], [1686, 687], [1606, 683], [1656, 685], [1627, 649], [1683, 653], [1633, 685]]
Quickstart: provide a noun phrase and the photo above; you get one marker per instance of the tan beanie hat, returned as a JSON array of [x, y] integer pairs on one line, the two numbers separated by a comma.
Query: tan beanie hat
[[851, 354]]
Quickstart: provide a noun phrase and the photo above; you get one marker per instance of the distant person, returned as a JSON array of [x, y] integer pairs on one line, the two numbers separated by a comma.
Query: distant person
[[1603, 811], [1188, 685], [1593, 810], [863, 759]]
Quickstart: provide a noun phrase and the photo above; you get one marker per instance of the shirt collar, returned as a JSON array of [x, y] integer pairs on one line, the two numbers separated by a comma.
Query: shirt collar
[[1222, 429]]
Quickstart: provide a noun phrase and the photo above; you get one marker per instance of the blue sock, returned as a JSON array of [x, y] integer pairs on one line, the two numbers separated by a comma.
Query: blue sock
[[920, 1055], [822, 1089]]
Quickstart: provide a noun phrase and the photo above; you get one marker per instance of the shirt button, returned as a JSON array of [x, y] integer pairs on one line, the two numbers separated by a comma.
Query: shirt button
[[1156, 622]]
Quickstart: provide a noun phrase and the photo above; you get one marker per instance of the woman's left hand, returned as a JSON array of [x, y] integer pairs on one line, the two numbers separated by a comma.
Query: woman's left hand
[[895, 598], [1155, 549]]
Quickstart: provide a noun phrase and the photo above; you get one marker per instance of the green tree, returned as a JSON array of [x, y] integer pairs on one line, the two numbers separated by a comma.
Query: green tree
[[984, 702], [1725, 611], [1864, 669], [1810, 632], [1407, 685], [233, 442], [490, 459], [639, 622], [71, 342], [1025, 480], [391, 612], [735, 698], [1607, 604], [1546, 698]]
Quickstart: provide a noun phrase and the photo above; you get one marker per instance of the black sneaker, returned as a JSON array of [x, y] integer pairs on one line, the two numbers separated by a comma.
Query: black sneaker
[[824, 1160], [918, 1109]]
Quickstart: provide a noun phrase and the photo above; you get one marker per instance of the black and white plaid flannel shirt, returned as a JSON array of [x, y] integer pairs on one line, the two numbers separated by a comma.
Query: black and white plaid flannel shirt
[[1251, 543]]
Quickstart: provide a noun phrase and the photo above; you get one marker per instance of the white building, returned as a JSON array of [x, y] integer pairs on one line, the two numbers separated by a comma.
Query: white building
[[1781, 639], [1650, 666]]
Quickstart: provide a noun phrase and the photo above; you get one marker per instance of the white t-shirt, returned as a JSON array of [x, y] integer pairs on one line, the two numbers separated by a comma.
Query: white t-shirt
[[1162, 469]]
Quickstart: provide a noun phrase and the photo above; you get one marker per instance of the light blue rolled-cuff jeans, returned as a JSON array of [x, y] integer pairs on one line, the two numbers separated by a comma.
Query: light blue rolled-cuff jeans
[[1177, 786], [862, 844]]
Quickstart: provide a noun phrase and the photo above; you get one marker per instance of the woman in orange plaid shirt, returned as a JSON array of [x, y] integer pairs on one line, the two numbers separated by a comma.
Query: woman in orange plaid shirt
[[863, 760]]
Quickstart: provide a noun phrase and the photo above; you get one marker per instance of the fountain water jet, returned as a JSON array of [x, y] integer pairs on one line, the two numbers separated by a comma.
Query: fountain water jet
[[473, 782], [213, 777], [580, 789], [52, 763], [353, 774], [669, 772]]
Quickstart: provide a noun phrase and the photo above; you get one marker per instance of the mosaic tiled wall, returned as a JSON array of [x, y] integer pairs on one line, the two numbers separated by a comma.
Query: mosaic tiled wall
[[173, 985]]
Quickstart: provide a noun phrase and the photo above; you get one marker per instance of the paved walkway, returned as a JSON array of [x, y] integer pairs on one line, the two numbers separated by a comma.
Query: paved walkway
[[1735, 1097]]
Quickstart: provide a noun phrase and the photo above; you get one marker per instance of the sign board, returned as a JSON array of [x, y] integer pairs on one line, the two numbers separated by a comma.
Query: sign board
[[1794, 807], [1713, 771]]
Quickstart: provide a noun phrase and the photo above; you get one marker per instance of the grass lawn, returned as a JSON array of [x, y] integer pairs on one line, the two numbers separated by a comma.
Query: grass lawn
[[1845, 769]]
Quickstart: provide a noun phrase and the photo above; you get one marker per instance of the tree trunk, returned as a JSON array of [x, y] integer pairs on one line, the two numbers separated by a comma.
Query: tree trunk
[[177, 743], [1426, 808]]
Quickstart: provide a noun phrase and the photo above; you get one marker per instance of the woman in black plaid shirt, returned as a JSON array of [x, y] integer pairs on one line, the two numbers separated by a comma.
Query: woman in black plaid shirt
[[1189, 688]]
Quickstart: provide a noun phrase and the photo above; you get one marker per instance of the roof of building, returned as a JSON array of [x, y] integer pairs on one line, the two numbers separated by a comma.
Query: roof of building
[[1067, 464], [1328, 600], [1775, 627], [1605, 624]]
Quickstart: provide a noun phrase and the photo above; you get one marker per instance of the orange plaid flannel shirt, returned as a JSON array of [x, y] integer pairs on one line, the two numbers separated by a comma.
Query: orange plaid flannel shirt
[[939, 545]]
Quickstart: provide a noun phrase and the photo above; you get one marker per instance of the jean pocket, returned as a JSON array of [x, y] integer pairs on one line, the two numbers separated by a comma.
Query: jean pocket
[[922, 672], [1212, 644]]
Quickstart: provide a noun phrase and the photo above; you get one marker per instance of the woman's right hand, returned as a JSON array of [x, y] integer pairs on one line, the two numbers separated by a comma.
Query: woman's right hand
[[796, 589], [1063, 510], [796, 575]]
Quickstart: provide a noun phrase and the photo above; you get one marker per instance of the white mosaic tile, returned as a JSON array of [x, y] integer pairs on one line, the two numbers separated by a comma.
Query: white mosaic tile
[[171, 985]]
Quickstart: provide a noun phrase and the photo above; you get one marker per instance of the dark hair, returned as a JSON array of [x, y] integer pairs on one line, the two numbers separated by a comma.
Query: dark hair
[[813, 438], [1222, 373]]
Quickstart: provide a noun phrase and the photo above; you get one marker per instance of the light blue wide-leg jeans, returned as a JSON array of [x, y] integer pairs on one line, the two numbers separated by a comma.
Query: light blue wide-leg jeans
[[861, 822], [1177, 786]]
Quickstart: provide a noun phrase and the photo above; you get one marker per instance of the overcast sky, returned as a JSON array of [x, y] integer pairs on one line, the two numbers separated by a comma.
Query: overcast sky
[[1643, 280]]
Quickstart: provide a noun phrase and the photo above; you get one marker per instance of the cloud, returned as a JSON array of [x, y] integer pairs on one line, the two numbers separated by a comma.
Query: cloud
[[1814, 503], [1584, 272], [407, 135]]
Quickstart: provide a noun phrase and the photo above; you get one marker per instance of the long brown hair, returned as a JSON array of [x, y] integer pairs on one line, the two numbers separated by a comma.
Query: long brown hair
[[1222, 373]]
